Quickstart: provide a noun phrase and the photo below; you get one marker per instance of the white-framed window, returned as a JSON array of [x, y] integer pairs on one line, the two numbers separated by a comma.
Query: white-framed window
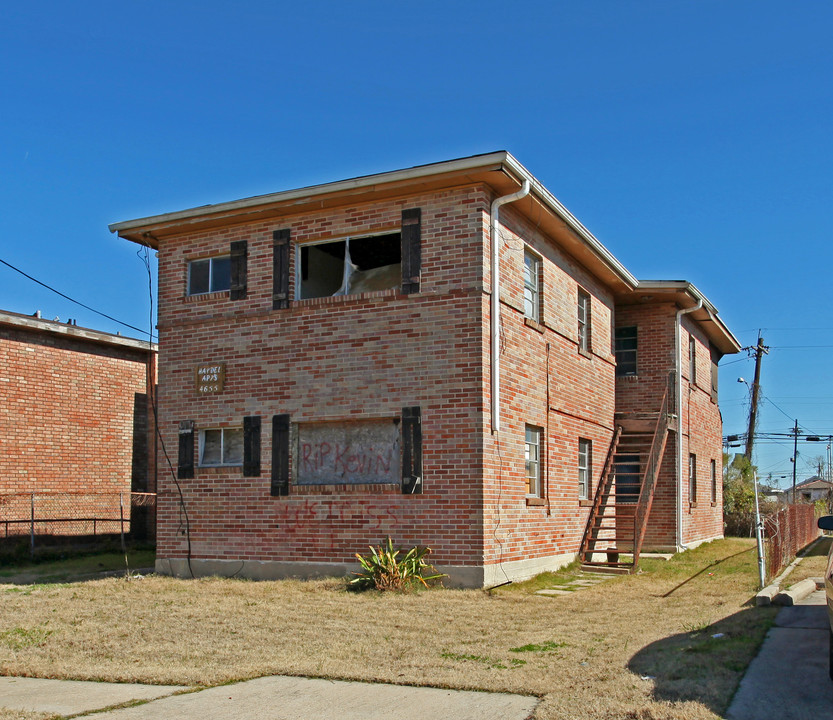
[[583, 308], [209, 275], [221, 446], [533, 461], [532, 286], [349, 265], [692, 478], [713, 477], [585, 465]]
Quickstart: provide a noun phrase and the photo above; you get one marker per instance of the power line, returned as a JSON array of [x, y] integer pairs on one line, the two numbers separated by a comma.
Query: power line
[[77, 302]]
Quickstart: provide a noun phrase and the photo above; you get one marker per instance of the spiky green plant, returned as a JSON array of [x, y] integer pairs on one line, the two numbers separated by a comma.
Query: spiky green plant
[[384, 570]]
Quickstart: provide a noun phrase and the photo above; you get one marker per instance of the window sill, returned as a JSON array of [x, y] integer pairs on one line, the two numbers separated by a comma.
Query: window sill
[[219, 295], [534, 324], [627, 378], [585, 503], [585, 353], [714, 504], [536, 502], [337, 299], [693, 505]]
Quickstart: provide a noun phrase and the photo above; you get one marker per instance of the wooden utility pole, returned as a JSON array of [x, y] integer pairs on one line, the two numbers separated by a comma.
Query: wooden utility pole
[[795, 455], [759, 351]]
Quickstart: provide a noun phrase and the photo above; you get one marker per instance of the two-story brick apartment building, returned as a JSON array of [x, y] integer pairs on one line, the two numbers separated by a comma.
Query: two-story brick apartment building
[[358, 359]]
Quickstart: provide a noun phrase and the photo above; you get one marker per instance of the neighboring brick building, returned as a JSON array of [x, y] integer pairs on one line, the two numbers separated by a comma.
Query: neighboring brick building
[[326, 374], [73, 416]]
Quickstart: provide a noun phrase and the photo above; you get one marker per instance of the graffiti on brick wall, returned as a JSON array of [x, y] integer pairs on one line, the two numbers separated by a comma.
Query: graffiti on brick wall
[[356, 452], [317, 511]]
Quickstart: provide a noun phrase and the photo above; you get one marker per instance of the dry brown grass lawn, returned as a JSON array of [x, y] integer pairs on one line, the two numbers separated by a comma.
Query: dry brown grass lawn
[[632, 647]]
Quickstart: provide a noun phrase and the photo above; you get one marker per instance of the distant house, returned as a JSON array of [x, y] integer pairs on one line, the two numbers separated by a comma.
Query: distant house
[[442, 354], [74, 424], [809, 491]]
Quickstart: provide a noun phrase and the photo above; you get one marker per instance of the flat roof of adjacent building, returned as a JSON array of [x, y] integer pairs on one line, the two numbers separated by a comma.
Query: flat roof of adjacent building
[[34, 323]]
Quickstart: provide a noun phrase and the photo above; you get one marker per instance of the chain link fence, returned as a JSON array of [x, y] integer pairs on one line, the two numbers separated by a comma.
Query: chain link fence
[[49, 520], [786, 532]]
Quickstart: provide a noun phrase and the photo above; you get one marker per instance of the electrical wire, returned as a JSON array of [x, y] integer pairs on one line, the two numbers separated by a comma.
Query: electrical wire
[[77, 302], [184, 521]]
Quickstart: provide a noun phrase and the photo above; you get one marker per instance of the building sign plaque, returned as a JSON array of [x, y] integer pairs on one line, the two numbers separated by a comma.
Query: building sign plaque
[[210, 378]]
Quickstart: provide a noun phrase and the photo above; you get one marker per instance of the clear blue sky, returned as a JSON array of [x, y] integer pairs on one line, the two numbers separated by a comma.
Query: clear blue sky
[[692, 138]]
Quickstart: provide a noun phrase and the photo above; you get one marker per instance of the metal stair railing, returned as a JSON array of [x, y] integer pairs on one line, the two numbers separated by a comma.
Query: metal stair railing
[[605, 481]]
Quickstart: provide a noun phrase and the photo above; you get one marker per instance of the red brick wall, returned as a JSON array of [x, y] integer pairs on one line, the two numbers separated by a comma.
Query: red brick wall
[[330, 359], [73, 414], [548, 383]]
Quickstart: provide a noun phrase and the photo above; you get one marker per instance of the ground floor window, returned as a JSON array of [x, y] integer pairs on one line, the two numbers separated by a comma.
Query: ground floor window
[[713, 473], [585, 455], [692, 478], [533, 460], [221, 446]]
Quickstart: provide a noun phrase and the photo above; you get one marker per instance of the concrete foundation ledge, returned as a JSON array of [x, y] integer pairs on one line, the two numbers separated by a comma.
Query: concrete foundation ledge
[[767, 595], [797, 592]]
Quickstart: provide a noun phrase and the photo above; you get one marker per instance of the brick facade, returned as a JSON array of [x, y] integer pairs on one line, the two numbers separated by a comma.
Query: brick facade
[[74, 410], [367, 357]]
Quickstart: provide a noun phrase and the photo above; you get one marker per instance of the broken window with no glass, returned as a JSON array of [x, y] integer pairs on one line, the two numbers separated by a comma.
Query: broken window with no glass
[[350, 266]]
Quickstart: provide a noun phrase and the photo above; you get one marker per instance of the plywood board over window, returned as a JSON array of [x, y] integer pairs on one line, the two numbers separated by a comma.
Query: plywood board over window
[[351, 452]]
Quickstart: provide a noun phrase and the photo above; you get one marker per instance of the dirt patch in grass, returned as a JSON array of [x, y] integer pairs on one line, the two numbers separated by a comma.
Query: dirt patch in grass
[[76, 567], [671, 642]]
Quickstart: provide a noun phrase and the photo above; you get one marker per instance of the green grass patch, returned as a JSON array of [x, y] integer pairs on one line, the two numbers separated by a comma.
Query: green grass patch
[[67, 568], [20, 637], [547, 646], [485, 660]]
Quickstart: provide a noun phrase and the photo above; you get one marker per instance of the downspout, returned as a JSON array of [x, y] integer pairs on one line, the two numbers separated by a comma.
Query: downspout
[[679, 403], [523, 192]]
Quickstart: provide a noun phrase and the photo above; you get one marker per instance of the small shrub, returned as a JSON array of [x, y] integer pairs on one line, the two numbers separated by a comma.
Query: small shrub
[[382, 569]]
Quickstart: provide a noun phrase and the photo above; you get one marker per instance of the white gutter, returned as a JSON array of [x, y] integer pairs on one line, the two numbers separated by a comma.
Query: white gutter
[[494, 230], [679, 370]]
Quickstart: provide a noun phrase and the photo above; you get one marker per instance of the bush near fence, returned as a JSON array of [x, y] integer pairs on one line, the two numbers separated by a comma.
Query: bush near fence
[[785, 533], [45, 521]]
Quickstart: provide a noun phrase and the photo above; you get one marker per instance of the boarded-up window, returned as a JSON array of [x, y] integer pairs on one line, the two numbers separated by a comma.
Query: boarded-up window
[[353, 452]]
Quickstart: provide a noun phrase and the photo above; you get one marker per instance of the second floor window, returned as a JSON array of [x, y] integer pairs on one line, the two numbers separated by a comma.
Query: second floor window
[[209, 275], [532, 286], [583, 321], [349, 266], [624, 345]]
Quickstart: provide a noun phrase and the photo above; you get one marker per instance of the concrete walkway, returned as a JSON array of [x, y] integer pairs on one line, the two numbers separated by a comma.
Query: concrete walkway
[[789, 678], [268, 698]]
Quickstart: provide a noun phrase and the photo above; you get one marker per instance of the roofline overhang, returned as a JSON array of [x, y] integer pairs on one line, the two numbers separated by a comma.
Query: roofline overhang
[[686, 295], [493, 169]]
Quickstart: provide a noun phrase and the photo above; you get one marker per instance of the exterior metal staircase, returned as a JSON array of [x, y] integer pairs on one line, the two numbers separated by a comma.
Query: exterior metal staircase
[[622, 503]]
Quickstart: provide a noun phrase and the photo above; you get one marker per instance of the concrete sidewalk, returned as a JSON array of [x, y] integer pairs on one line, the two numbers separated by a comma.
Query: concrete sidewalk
[[268, 698], [789, 678]]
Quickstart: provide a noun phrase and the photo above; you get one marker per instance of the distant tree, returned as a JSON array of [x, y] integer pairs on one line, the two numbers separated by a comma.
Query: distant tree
[[739, 496]]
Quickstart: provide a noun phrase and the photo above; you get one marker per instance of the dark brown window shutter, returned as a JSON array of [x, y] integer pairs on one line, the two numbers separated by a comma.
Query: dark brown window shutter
[[715, 358], [251, 446], [411, 451], [185, 466], [280, 455], [411, 250], [239, 258], [280, 269]]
